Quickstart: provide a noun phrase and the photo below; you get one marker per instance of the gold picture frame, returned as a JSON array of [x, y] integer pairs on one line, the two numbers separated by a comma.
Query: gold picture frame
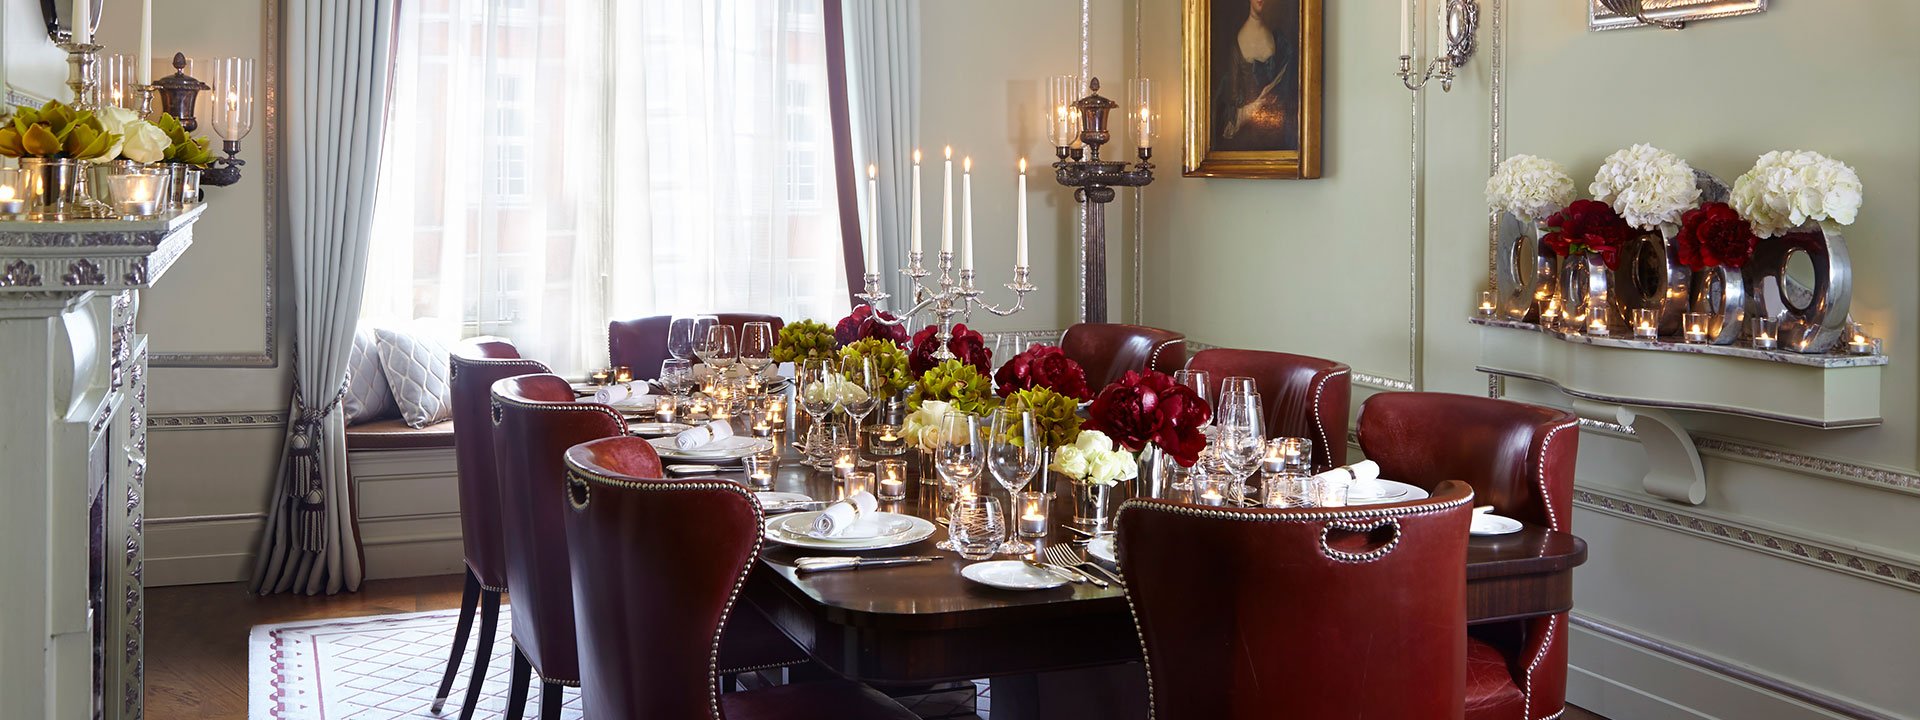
[[1260, 117]]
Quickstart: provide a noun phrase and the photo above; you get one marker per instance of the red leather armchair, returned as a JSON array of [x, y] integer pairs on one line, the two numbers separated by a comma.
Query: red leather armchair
[[1520, 459], [474, 368], [1251, 614], [1305, 396], [658, 566], [1109, 350], [641, 343], [535, 419]]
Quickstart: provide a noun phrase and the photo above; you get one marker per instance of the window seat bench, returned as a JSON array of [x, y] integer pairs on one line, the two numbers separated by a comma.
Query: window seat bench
[[407, 499]]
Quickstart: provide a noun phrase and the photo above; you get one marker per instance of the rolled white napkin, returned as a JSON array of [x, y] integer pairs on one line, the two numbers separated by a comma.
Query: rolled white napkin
[[840, 516], [699, 437], [621, 394], [1362, 478]]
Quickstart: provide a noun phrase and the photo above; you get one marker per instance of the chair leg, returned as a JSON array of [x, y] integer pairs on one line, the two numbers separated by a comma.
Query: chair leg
[[468, 599], [489, 619], [517, 691], [550, 701]]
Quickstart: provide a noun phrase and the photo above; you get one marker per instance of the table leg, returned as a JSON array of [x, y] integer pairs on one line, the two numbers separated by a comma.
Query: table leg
[[1109, 692]]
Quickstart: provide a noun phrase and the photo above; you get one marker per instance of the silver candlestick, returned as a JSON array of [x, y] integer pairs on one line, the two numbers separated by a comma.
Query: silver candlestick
[[950, 300]]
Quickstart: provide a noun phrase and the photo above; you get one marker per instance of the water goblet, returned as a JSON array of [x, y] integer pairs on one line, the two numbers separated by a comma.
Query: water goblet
[[1013, 454], [976, 527]]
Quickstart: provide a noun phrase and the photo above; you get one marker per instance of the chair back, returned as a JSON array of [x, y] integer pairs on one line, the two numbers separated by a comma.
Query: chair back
[[473, 369], [535, 420], [641, 343], [1109, 350], [1305, 396], [658, 566], [1518, 457], [1354, 612]]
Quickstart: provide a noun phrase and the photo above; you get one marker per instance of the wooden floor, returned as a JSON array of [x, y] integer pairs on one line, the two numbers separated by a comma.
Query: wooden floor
[[197, 637]]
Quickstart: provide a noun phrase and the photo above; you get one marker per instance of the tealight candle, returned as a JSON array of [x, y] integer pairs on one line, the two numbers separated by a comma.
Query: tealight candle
[[777, 411], [664, 412], [892, 489], [600, 377], [1644, 326], [1598, 327], [893, 479], [1860, 345], [1765, 332], [135, 194], [759, 468], [1033, 514], [858, 481], [1212, 497], [844, 462], [1550, 316], [1486, 304], [11, 186], [1697, 324], [885, 440], [762, 428], [622, 373]]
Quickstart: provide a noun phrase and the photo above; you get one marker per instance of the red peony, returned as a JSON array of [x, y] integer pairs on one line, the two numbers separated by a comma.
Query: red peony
[[861, 325], [1149, 407], [967, 346], [1043, 366], [1587, 226], [1714, 235]]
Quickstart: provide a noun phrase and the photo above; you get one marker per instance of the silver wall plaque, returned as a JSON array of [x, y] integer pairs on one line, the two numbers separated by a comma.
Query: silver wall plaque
[[1675, 14]]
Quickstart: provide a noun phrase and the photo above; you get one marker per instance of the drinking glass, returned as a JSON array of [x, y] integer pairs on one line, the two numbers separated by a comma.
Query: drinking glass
[[680, 335], [1013, 454], [1238, 384], [1202, 384], [719, 348], [861, 395], [815, 379], [1007, 345], [756, 345], [960, 459], [975, 527], [1240, 436], [676, 375], [1290, 454]]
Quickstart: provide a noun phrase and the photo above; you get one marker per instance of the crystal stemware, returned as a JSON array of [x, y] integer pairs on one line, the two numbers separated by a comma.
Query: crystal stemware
[[860, 395], [1240, 435], [816, 379], [676, 375], [719, 348], [680, 335], [1013, 454], [960, 458], [756, 345], [976, 528]]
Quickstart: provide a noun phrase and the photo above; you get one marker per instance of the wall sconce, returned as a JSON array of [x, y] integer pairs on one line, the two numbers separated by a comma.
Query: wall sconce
[[230, 104], [1459, 23]]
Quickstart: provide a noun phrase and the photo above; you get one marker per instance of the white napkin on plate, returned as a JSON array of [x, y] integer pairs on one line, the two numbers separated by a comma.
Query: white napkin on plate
[[706, 434], [621, 394], [1362, 478], [843, 515]]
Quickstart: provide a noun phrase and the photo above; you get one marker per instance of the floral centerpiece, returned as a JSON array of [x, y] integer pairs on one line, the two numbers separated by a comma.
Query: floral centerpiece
[[960, 385], [1587, 227], [55, 131], [1646, 186], [141, 142], [1785, 189], [1043, 366], [182, 147], [1148, 408], [1056, 417], [1096, 465], [1529, 187], [1714, 235], [967, 345], [886, 358], [804, 340], [863, 323], [923, 426]]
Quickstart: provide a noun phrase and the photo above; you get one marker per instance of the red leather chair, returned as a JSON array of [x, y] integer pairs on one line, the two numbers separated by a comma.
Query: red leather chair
[[1519, 459], [1250, 613], [658, 569], [641, 344], [1305, 396], [475, 367], [1109, 350]]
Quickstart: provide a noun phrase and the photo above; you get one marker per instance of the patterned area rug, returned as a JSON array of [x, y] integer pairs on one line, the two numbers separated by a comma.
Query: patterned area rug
[[374, 668]]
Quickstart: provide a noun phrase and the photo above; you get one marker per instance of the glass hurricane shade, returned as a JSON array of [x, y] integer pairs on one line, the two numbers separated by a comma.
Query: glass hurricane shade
[[1073, 111], [231, 108]]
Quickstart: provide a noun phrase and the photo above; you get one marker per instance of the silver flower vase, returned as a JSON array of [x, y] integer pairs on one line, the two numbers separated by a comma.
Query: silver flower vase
[[1093, 506]]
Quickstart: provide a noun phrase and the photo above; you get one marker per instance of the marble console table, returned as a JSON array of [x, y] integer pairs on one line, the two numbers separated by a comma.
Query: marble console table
[[73, 444]]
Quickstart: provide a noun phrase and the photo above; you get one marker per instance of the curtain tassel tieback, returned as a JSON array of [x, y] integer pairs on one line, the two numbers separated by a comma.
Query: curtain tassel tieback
[[306, 490]]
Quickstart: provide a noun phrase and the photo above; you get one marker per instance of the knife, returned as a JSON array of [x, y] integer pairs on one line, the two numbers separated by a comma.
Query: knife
[[847, 562]]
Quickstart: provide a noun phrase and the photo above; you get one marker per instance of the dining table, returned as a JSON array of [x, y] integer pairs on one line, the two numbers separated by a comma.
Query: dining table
[[1070, 651]]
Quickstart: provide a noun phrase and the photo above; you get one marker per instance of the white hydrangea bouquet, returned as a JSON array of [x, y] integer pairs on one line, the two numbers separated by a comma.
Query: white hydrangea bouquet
[[1647, 186], [1785, 189], [1529, 187], [1094, 460]]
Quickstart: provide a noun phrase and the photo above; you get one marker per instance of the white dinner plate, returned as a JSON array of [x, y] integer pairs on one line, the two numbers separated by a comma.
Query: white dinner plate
[[1012, 575], [1390, 492], [657, 429], [724, 450], [1491, 524], [791, 530], [1101, 548]]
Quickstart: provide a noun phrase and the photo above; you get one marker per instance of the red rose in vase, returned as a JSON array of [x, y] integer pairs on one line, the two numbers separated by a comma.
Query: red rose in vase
[[1043, 366], [1714, 235], [863, 324], [1587, 226], [967, 346], [1148, 407]]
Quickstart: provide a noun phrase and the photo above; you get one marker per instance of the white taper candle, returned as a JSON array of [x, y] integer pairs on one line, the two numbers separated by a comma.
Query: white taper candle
[[946, 206], [966, 214], [82, 18], [873, 220], [145, 61], [915, 234], [1020, 219]]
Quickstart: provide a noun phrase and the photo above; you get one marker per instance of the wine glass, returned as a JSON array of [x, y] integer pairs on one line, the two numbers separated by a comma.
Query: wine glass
[[676, 375], [756, 345], [1013, 454], [1236, 383], [1240, 435], [680, 335], [1202, 383], [815, 380], [861, 394], [719, 348], [959, 457]]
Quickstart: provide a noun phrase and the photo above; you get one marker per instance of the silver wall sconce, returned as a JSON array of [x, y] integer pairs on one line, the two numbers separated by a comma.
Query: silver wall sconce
[[1459, 24]]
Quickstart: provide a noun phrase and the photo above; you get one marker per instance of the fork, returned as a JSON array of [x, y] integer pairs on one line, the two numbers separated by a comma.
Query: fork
[[1067, 556]]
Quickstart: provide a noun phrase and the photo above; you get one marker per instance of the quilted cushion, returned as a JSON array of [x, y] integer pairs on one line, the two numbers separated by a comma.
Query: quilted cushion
[[416, 368], [369, 397]]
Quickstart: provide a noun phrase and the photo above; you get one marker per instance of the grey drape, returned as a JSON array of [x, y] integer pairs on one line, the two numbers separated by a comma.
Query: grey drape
[[883, 73], [338, 65]]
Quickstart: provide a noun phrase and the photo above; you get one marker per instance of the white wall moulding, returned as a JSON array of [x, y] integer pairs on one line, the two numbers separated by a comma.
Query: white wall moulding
[[1671, 14], [219, 421], [1817, 391], [1673, 463], [1898, 570], [1882, 478]]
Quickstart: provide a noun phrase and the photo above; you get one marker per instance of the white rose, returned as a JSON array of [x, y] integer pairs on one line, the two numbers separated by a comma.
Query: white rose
[[1111, 467], [1093, 441], [1070, 461], [144, 142]]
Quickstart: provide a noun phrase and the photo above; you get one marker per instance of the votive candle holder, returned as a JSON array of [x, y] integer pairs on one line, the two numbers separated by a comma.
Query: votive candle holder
[[760, 467], [1764, 332], [1033, 509], [892, 476], [1646, 326], [885, 440], [1696, 329], [1486, 304]]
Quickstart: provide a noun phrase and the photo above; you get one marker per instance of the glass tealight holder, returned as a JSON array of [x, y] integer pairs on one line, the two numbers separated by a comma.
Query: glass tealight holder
[[622, 374], [759, 424], [1210, 489], [13, 191], [136, 195], [1858, 341], [600, 377], [859, 481], [1646, 326], [190, 186], [1597, 327], [885, 440], [845, 461], [1033, 507], [1330, 493], [760, 467], [1486, 303], [1764, 332], [1696, 328], [1283, 490], [1286, 454], [892, 478], [667, 410]]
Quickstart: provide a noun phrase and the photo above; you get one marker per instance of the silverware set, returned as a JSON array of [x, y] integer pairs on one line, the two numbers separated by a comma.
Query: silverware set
[[1067, 556], [850, 562]]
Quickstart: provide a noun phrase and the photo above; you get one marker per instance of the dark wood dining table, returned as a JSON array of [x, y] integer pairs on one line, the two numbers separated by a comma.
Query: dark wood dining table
[[923, 624]]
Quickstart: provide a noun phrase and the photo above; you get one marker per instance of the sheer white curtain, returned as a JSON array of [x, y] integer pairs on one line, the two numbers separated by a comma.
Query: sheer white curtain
[[554, 164]]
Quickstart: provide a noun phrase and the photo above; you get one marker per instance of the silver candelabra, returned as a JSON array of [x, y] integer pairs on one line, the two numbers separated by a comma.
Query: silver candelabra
[[952, 299]]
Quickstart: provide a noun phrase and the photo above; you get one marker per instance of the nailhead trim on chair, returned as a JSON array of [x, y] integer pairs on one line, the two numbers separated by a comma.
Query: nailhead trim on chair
[[1319, 390], [1365, 557], [740, 578]]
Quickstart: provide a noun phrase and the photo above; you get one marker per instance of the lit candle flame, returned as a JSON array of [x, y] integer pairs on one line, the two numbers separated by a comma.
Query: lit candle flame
[[949, 152], [6, 192], [916, 156], [1023, 166], [966, 164], [873, 171]]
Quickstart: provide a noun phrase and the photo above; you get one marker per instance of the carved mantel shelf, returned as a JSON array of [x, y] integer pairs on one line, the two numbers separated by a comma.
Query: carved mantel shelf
[[1636, 382], [91, 255]]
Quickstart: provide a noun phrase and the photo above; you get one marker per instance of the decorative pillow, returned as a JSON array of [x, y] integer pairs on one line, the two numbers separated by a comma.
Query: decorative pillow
[[416, 368], [369, 397]]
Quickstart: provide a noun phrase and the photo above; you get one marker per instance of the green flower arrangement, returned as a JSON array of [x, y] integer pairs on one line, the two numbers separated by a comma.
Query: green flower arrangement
[[183, 148], [888, 359], [804, 340], [55, 132], [1056, 416], [958, 384]]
